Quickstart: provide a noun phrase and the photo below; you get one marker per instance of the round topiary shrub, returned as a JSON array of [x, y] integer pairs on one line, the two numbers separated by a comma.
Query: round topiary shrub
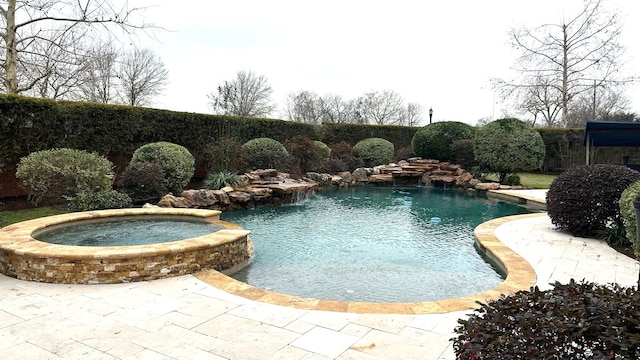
[[572, 321], [374, 151], [175, 161], [434, 140], [507, 146], [264, 153], [59, 172], [584, 200], [144, 182], [628, 213]]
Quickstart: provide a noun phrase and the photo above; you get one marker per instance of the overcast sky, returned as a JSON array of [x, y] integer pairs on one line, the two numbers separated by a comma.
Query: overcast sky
[[439, 54]]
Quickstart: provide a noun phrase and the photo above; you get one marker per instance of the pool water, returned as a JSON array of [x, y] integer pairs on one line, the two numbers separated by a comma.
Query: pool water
[[126, 232], [377, 244]]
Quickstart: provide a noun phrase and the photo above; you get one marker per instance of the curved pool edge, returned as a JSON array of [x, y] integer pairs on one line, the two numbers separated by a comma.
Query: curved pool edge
[[26, 258], [520, 276]]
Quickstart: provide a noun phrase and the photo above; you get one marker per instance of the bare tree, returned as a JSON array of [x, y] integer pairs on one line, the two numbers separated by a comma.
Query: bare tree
[[304, 106], [338, 111], [142, 76], [542, 100], [568, 57], [605, 104], [413, 114], [99, 83], [247, 95], [381, 108], [27, 24]]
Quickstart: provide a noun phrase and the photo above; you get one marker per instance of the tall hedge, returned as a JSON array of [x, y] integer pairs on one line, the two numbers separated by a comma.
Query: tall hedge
[[400, 136]]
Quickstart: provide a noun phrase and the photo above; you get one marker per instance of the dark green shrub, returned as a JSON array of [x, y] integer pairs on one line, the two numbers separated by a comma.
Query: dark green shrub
[[143, 182], [434, 140], [508, 146], [462, 153], [628, 213], [343, 158], [58, 172], [614, 235], [175, 161], [224, 155], [217, 181], [334, 166], [584, 200], [264, 153], [571, 321], [403, 153], [107, 199], [309, 154], [512, 179], [374, 151]]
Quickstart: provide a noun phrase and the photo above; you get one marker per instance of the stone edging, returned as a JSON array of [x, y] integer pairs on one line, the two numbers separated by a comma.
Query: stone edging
[[25, 258], [520, 276]]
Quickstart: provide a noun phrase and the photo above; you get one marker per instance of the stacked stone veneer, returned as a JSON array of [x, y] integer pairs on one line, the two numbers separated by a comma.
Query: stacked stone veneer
[[23, 257]]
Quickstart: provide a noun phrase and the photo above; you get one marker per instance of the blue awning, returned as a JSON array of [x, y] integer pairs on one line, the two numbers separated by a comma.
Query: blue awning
[[611, 133]]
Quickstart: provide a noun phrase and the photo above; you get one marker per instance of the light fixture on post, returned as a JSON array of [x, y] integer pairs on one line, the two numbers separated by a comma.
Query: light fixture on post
[[430, 115]]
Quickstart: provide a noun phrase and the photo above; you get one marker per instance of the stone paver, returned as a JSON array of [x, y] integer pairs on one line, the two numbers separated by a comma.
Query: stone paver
[[186, 318]]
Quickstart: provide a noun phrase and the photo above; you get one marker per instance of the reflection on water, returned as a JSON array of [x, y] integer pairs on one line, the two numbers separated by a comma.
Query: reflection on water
[[373, 244]]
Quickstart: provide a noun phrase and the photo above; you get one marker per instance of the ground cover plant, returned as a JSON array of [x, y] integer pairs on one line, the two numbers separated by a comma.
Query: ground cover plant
[[579, 320]]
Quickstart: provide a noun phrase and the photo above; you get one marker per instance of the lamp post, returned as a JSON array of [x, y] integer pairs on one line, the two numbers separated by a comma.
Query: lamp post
[[430, 115]]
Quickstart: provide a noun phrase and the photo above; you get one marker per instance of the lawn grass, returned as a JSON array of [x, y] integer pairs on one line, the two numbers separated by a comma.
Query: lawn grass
[[10, 217], [536, 180], [531, 180]]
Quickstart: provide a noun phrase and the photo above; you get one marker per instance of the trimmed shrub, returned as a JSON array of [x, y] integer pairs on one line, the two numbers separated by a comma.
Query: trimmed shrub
[[374, 151], [508, 146], [107, 199], [573, 321], [584, 200], [58, 172], [175, 161], [264, 153], [434, 140], [462, 153], [217, 181], [143, 182], [512, 179], [310, 156], [628, 213]]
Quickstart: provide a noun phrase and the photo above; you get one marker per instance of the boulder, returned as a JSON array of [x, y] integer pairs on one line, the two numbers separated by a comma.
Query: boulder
[[360, 175], [170, 201], [200, 198], [239, 197], [259, 194], [487, 186], [223, 197]]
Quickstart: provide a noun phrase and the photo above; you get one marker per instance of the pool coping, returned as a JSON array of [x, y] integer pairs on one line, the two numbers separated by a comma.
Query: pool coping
[[24, 257], [520, 276]]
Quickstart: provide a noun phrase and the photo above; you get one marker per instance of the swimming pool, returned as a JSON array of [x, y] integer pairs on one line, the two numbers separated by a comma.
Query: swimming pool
[[376, 244]]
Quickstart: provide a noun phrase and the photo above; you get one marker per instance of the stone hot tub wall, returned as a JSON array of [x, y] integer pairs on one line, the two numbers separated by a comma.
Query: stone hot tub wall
[[25, 258]]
